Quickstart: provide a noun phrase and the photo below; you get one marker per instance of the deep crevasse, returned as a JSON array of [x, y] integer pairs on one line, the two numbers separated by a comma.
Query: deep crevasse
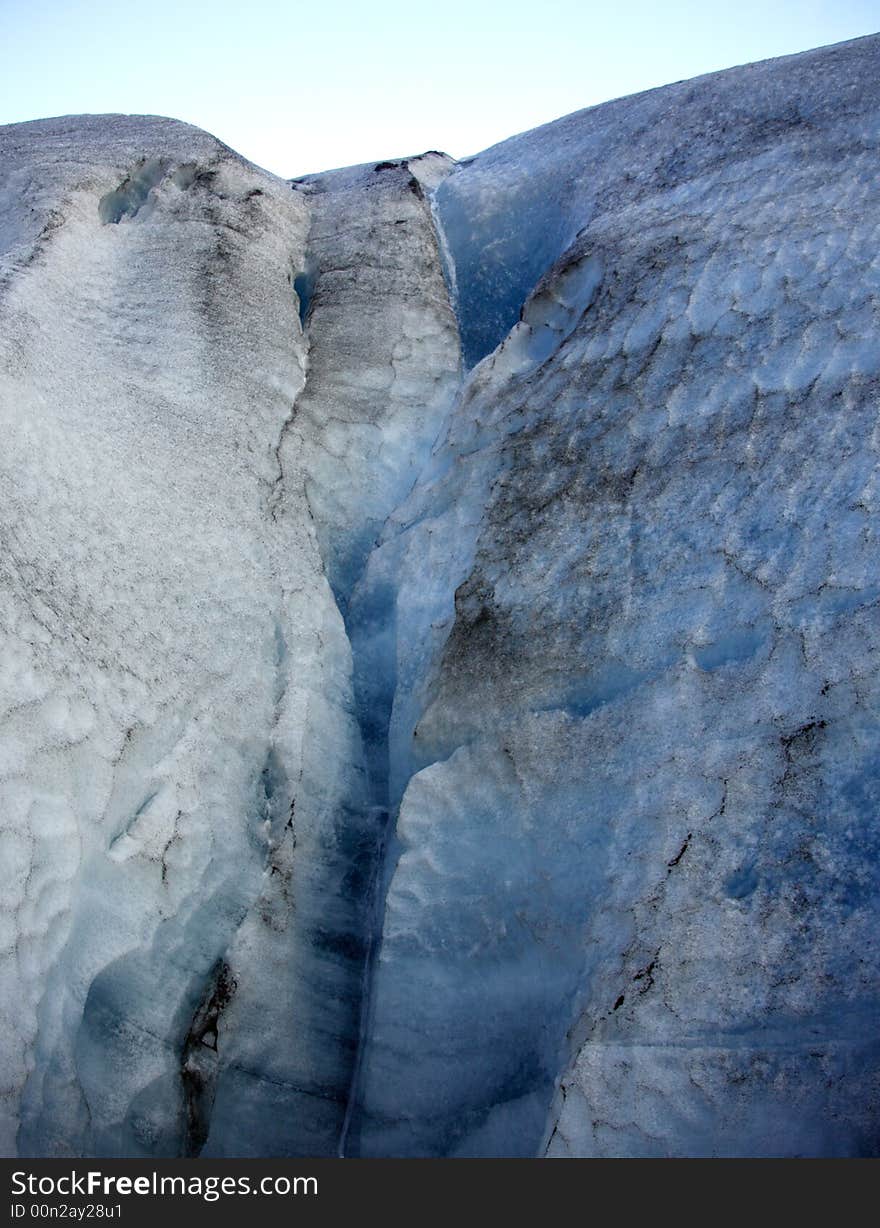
[[384, 368]]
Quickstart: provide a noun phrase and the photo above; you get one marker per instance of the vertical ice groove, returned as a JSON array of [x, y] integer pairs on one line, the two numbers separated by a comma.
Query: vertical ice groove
[[447, 259], [367, 622], [276, 492], [363, 428]]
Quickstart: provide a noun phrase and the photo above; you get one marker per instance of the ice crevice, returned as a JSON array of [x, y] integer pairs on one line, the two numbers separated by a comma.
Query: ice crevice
[[372, 599], [399, 418]]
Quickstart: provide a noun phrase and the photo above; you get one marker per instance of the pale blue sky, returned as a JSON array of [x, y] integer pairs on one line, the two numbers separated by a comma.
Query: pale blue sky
[[299, 87]]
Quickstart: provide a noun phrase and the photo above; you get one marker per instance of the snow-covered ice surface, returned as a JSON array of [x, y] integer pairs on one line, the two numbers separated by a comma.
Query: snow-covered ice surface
[[175, 670], [438, 682]]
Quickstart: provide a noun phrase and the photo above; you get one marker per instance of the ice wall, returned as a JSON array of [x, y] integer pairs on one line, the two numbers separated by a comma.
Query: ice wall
[[634, 729], [438, 677], [176, 676]]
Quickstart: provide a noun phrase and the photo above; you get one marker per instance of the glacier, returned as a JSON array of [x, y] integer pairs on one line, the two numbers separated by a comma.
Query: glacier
[[438, 662]]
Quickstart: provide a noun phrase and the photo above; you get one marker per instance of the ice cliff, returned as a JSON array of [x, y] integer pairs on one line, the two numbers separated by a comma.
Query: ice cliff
[[438, 676]]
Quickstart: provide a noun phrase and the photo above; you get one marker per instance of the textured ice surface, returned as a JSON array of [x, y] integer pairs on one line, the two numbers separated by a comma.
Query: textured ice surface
[[175, 670], [402, 761], [635, 726], [384, 355]]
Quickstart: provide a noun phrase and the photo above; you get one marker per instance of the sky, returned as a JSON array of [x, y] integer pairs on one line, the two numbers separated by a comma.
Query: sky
[[299, 87]]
